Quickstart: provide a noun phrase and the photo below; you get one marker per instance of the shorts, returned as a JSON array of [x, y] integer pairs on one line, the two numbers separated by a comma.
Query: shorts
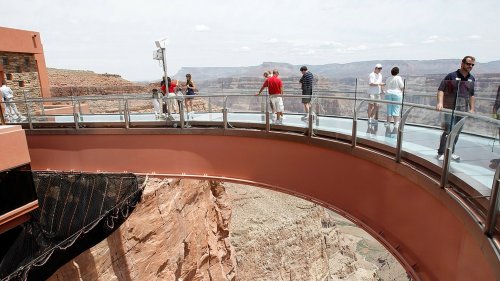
[[374, 97], [170, 101], [190, 94], [306, 92], [277, 102]]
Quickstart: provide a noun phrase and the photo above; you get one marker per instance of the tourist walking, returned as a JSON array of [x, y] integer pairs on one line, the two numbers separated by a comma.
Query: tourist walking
[[306, 83], [394, 86], [375, 89], [275, 88], [455, 92]]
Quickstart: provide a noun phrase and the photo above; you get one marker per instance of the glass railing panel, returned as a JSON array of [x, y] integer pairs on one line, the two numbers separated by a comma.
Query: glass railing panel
[[139, 108], [373, 128], [477, 154], [422, 132], [333, 114], [106, 109], [246, 108], [208, 109], [294, 113]]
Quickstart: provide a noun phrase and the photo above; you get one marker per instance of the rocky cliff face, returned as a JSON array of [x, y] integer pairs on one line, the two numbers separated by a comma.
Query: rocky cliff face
[[204, 230], [64, 82]]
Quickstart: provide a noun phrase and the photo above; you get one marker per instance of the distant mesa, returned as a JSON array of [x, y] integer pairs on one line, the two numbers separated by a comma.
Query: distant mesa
[[338, 70]]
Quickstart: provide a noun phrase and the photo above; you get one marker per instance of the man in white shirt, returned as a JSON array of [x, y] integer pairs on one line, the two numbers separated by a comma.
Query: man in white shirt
[[10, 106], [374, 91]]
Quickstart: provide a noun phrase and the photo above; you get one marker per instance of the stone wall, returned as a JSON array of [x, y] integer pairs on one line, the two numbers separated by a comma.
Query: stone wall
[[20, 74]]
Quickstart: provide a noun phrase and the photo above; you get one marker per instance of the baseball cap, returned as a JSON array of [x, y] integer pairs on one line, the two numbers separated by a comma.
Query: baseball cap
[[378, 65]]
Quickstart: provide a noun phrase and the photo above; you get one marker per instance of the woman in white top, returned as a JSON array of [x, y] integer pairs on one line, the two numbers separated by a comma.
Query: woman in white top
[[394, 92]]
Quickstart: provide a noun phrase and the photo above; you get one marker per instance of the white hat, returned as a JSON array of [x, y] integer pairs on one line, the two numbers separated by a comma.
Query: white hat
[[378, 65]]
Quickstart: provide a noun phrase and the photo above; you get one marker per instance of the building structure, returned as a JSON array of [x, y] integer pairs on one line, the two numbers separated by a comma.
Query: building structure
[[22, 62]]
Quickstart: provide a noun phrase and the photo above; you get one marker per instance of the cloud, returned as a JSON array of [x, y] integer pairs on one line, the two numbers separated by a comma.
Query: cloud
[[245, 49], [396, 44], [330, 44], [271, 41], [431, 39], [474, 36], [350, 50], [201, 28]]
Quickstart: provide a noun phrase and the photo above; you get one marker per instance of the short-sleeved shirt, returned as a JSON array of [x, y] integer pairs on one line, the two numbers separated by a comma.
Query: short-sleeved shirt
[[455, 85], [374, 78], [274, 84], [171, 88], [307, 81], [6, 92]]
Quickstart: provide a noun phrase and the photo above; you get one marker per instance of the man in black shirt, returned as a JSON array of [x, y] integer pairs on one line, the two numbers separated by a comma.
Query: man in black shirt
[[456, 92], [306, 82]]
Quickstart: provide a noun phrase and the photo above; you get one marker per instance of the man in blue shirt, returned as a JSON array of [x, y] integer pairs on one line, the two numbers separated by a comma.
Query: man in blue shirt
[[456, 92]]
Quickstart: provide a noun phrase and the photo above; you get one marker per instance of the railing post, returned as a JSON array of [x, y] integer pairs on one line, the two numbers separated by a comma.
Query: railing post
[[491, 217], [450, 140], [402, 123], [75, 115], [30, 121], [2, 119], [26, 103], [126, 115], [355, 122], [224, 114], [209, 105], [181, 114]]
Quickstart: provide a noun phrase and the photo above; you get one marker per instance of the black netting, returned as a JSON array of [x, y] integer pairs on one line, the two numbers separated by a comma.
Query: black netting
[[75, 212]]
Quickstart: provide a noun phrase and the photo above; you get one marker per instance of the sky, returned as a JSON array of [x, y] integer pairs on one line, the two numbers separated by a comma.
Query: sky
[[117, 36]]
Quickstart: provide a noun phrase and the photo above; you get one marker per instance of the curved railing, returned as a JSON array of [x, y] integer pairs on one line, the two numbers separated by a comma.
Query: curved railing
[[473, 182]]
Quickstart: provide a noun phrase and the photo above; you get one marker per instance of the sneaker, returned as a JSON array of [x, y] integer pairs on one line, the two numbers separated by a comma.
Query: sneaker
[[396, 125], [386, 124], [440, 157], [455, 157], [370, 120], [303, 118]]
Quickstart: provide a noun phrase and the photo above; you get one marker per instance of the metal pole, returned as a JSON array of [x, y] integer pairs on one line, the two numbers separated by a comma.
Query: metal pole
[[181, 112], [355, 123], [75, 116], [2, 119], [268, 117], [354, 115], [126, 115], [224, 114]]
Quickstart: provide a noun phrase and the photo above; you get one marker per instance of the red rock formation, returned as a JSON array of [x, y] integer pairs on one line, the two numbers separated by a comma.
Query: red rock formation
[[202, 230]]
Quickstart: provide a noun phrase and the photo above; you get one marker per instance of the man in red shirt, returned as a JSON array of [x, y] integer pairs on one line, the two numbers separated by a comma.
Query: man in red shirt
[[275, 88]]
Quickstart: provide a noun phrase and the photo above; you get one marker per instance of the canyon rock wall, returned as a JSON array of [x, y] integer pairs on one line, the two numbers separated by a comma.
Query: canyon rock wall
[[64, 82], [205, 230]]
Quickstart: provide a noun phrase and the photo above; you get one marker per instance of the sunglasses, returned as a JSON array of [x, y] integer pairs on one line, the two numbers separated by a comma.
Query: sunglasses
[[379, 67], [469, 64]]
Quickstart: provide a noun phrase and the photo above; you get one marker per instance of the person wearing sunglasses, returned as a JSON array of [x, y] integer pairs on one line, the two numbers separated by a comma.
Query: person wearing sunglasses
[[455, 92]]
